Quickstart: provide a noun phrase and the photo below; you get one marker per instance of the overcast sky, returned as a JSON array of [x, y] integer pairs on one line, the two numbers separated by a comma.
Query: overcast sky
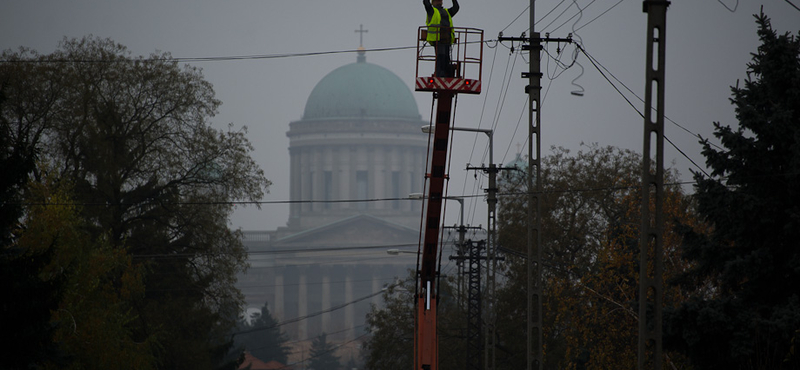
[[708, 47]]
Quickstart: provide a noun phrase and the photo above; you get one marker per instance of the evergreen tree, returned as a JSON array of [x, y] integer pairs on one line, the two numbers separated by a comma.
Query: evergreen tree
[[744, 312], [322, 357], [263, 338]]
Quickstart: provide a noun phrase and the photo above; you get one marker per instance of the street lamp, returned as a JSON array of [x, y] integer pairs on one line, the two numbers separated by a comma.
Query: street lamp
[[428, 129], [462, 230]]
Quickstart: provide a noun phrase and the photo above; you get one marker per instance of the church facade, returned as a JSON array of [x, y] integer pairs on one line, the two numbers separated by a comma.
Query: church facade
[[356, 155]]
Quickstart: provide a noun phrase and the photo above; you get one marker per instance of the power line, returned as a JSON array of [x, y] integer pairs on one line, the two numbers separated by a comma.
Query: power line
[[601, 14], [592, 60], [217, 58], [301, 318], [734, 7], [240, 286], [208, 59], [279, 202], [281, 251]]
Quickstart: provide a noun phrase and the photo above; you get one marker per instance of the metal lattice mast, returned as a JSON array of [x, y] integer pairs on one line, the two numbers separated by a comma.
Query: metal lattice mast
[[474, 340], [652, 229]]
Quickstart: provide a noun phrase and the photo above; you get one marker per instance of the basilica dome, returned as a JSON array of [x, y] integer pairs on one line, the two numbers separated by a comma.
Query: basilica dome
[[361, 90]]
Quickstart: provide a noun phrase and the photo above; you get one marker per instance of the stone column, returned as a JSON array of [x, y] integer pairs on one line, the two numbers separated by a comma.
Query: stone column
[[376, 286], [326, 300], [349, 310], [302, 304], [278, 309]]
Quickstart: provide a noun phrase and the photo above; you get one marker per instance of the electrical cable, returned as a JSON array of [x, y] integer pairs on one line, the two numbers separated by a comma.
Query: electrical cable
[[734, 7], [548, 13], [579, 41], [634, 107], [580, 13], [213, 59], [283, 251], [292, 365], [305, 317], [515, 19], [240, 286], [307, 339], [601, 14]]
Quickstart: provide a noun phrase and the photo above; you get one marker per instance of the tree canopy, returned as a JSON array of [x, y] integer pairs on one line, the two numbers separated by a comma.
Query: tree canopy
[[390, 344], [131, 138], [744, 310], [262, 337], [590, 221], [322, 356]]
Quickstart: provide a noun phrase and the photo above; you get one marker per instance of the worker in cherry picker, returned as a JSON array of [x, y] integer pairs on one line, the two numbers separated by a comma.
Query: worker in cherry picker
[[440, 33]]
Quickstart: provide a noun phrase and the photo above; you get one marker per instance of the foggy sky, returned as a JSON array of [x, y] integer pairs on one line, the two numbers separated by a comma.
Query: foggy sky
[[708, 48]]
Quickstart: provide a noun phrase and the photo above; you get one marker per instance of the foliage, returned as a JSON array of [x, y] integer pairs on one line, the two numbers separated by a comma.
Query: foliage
[[262, 337], [590, 222], [25, 311], [99, 283], [322, 357], [745, 271], [391, 344], [157, 181], [391, 328], [601, 322]]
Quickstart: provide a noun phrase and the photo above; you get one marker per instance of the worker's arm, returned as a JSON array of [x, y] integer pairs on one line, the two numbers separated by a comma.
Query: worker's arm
[[428, 8], [454, 9]]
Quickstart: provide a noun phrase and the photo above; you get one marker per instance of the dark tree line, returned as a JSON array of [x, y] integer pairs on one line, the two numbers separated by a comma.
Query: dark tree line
[[128, 162], [744, 307]]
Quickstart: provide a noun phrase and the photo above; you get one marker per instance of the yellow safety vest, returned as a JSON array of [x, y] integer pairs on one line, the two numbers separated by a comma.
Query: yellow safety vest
[[433, 26]]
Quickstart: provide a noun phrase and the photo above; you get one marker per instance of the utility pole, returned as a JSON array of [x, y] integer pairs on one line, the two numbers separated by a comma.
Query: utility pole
[[651, 266], [534, 90], [474, 342], [467, 251], [535, 360], [490, 298]]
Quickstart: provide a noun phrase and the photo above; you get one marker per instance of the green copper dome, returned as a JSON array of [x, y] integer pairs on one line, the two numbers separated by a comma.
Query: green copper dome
[[361, 90]]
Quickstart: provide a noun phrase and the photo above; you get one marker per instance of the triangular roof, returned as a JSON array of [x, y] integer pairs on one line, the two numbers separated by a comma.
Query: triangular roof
[[362, 229]]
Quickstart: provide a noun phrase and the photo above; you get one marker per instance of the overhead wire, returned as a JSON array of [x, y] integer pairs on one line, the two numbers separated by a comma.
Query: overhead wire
[[728, 8], [601, 14], [642, 100], [240, 286], [314, 314], [592, 60], [578, 14], [335, 348], [515, 19], [306, 340]]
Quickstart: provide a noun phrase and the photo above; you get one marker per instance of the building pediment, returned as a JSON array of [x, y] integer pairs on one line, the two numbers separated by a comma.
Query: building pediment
[[360, 230]]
